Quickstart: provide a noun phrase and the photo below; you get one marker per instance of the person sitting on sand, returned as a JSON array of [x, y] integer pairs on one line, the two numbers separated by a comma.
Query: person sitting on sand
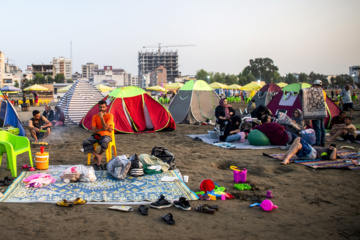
[[229, 130], [39, 126], [339, 119], [303, 150], [275, 132], [260, 111], [48, 113], [347, 131], [102, 127], [224, 111], [59, 117], [298, 118]]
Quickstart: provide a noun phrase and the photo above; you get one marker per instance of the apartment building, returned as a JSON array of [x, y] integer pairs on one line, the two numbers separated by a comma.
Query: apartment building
[[354, 71], [44, 69], [29, 72], [88, 69], [158, 77], [62, 65], [2, 67], [110, 76], [149, 61]]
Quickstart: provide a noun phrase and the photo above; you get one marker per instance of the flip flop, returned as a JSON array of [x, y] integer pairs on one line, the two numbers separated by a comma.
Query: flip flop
[[168, 218], [205, 209], [65, 203], [78, 201], [143, 210], [215, 207]]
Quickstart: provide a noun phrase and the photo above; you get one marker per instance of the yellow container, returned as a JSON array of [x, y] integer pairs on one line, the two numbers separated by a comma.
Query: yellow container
[[42, 160]]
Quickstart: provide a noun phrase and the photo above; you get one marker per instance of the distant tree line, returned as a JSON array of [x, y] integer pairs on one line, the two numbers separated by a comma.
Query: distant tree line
[[264, 69], [41, 79]]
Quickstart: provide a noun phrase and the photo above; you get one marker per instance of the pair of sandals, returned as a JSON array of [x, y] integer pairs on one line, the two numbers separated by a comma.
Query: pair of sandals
[[66, 203], [6, 182], [99, 167], [168, 218], [210, 209]]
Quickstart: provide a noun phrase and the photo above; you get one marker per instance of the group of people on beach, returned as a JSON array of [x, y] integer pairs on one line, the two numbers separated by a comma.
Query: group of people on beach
[[289, 134]]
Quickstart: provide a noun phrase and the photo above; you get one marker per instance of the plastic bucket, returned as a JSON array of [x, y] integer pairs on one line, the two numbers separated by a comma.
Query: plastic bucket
[[42, 160], [213, 134]]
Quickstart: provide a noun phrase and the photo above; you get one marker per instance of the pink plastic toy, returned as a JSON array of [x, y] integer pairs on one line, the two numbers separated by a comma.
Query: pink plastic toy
[[266, 205], [32, 169], [269, 194], [239, 175], [223, 197]]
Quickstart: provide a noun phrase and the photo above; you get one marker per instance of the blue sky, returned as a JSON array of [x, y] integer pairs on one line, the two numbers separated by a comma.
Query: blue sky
[[300, 36]]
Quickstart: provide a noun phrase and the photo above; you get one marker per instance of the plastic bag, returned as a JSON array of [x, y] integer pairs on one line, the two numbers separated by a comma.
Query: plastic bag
[[78, 173], [118, 167], [309, 136]]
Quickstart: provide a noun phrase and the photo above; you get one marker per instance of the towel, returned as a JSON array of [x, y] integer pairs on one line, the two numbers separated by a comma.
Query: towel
[[313, 103]]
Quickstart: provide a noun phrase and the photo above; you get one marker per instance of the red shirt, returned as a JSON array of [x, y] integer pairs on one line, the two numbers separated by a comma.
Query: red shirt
[[108, 119]]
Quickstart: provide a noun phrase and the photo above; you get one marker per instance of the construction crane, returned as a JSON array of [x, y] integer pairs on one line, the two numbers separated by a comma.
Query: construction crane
[[161, 46]]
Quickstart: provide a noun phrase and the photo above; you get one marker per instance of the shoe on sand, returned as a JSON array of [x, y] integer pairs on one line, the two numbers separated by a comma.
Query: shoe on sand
[[182, 204], [161, 203]]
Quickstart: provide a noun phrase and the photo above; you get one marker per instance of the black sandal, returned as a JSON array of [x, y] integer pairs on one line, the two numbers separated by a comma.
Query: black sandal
[[205, 209], [168, 218], [143, 210]]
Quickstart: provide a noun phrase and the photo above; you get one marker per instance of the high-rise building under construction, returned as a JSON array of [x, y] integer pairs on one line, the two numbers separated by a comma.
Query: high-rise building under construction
[[150, 61]]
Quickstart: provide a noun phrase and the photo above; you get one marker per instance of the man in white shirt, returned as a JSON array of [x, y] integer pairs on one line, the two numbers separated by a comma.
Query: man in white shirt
[[345, 100]]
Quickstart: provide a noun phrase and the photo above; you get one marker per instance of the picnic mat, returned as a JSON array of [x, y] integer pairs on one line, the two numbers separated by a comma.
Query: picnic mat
[[105, 190], [243, 145], [347, 159]]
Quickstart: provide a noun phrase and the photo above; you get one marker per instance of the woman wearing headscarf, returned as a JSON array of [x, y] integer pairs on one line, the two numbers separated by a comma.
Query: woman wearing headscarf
[[224, 111], [298, 118], [59, 117], [260, 111]]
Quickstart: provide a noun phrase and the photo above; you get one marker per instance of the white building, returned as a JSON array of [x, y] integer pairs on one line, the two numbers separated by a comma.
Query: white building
[[88, 69], [110, 76], [62, 65], [354, 71]]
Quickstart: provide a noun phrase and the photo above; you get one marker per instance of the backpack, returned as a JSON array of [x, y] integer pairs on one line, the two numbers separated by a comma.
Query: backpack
[[165, 155]]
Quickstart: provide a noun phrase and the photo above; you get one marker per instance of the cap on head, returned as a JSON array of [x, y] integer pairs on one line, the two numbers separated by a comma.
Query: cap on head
[[317, 82]]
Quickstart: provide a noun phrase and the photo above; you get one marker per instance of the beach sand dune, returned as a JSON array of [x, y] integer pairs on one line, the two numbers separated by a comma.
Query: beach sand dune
[[313, 204]]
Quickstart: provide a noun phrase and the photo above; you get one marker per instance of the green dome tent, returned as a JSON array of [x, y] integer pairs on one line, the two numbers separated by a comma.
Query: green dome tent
[[195, 102]]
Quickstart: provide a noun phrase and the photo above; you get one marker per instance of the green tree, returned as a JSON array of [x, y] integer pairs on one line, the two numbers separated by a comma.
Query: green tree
[[49, 79], [264, 69], [303, 77], [231, 79], [202, 75], [59, 78], [290, 78], [70, 81], [16, 84], [38, 79], [219, 77]]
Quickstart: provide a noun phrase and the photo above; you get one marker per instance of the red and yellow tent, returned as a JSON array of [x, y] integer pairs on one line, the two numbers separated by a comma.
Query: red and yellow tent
[[134, 111]]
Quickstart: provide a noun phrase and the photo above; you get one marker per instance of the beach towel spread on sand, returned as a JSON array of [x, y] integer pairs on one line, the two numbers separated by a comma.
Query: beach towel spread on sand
[[105, 190], [313, 103]]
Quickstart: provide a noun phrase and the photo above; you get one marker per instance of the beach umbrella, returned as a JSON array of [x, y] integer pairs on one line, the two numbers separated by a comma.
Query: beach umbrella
[[234, 87], [281, 84], [175, 85], [103, 88], [156, 88], [10, 89], [36, 87], [253, 86], [65, 89], [217, 85]]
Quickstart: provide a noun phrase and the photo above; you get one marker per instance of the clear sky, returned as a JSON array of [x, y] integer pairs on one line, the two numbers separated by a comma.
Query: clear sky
[[300, 36]]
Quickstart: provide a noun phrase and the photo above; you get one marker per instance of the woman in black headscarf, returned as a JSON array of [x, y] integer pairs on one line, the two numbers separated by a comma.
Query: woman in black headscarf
[[260, 111], [224, 111], [298, 118]]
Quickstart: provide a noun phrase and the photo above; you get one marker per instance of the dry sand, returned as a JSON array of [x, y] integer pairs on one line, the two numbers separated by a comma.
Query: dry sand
[[313, 204]]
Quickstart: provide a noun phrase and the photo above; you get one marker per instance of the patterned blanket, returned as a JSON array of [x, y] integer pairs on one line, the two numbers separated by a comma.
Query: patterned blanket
[[313, 103], [105, 190]]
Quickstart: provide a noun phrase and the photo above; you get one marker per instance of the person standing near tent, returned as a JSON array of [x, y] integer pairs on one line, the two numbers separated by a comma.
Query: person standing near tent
[[345, 99], [37, 124], [318, 124], [102, 127]]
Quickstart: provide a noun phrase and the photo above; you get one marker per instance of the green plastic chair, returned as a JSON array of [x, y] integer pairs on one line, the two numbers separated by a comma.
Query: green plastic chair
[[237, 99], [13, 145], [161, 100]]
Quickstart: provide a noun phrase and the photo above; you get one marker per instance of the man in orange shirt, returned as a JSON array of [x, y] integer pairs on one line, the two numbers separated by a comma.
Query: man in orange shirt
[[102, 127]]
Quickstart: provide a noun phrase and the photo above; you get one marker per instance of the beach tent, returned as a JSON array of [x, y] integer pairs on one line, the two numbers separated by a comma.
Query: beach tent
[[65, 89], [217, 85], [134, 111], [282, 84], [234, 87], [289, 99], [156, 88], [173, 86], [9, 116], [195, 102], [78, 100], [36, 87], [103, 88], [253, 86], [265, 94]]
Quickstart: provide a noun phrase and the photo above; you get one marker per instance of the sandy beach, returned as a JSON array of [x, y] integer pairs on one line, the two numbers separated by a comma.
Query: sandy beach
[[313, 204]]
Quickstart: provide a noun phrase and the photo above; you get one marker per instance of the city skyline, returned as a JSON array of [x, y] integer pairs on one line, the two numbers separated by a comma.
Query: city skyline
[[301, 36]]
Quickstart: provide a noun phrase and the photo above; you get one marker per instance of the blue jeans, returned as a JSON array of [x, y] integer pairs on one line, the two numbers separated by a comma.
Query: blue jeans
[[233, 138], [319, 129]]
